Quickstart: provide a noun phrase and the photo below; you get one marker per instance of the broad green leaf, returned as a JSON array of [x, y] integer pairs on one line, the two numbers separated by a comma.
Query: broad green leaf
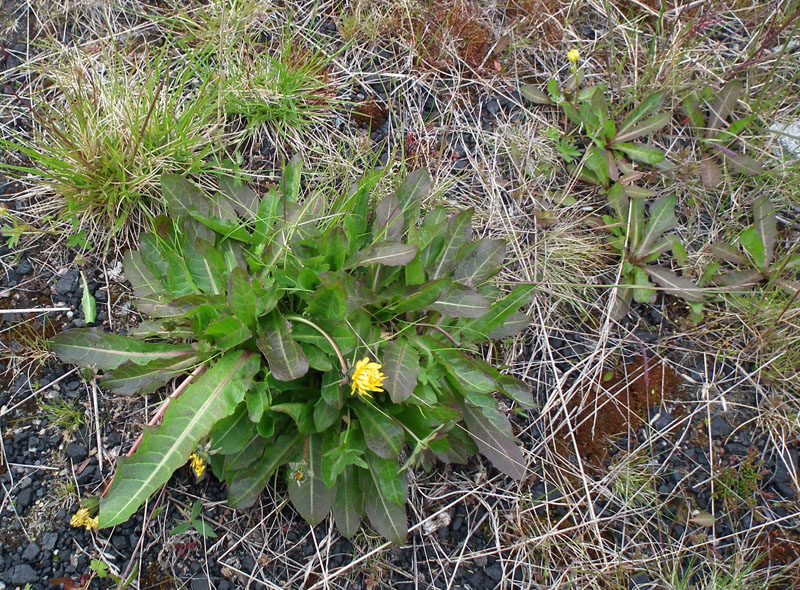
[[227, 332], [498, 313], [357, 204], [204, 529], [257, 400], [92, 347], [246, 487], [286, 359], [231, 434], [249, 454], [461, 302], [386, 253], [651, 125], [740, 279], [410, 194], [401, 367], [144, 283], [643, 291], [178, 280], [329, 302], [317, 359], [189, 418], [291, 179], [310, 497], [534, 95], [691, 108], [390, 479], [206, 267], [348, 505], [641, 152], [458, 236], [491, 431], [324, 416], [388, 223], [662, 219], [517, 390], [723, 106], [751, 241], [387, 518], [744, 164], [331, 390], [382, 433], [517, 323], [335, 248], [727, 252], [180, 194], [88, 304], [243, 198], [471, 375], [301, 413], [481, 263], [673, 284], [130, 378], [647, 107], [597, 162], [416, 297], [227, 227], [766, 225], [242, 300]]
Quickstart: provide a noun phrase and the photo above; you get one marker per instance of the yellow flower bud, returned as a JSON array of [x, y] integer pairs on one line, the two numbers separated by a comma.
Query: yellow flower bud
[[573, 56]]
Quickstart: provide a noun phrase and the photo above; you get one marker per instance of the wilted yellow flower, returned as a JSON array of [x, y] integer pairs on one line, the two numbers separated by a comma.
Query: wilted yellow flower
[[367, 377], [82, 518], [198, 464], [573, 56]]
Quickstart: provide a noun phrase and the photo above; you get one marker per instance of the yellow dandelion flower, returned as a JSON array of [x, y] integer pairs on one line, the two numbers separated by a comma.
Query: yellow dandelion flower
[[573, 56], [82, 518], [198, 464], [366, 378]]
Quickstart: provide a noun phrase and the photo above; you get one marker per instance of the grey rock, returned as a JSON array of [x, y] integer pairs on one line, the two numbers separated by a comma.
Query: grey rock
[[25, 482], [23, 574], [201, 583], [76, 451], [24, 499], [49, 541], [719, 427], [24, 267], [67, 284], [30, 553], [782, 474]]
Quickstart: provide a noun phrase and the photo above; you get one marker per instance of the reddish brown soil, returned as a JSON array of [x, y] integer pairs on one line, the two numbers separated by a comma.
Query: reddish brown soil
[[620, 405]]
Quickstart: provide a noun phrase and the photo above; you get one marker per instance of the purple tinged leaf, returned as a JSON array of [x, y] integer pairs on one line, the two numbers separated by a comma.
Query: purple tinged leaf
[[673, 284]]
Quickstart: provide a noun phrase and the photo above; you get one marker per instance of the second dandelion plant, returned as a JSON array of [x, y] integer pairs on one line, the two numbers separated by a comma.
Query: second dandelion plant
[[327, 343]]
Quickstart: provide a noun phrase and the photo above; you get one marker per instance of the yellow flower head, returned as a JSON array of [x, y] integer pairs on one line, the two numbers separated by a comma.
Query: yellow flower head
[[198, 464], [573, 56], [82, 518], [367, 377]]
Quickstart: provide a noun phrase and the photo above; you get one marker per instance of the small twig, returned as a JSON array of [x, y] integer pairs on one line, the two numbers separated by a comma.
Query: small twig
[[97, 426], [33, 310]]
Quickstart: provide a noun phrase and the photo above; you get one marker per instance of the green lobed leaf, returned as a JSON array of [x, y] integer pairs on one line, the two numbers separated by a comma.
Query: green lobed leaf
[[227, 332], [207, 267], [641, 152], [673, 284], [94, 348], [401, 367], [647, 107], [189, 418], [251, 452], [383, 435], [310, 497], [411, 192], [517, 390], [335, 248], [130, 378], [241, 196], [388, 222], [651, 125], [144, 283], [416, 297], [517, 323], [246, 487], [257, 400], [291, 179], [348, 505], [727, 252], [723, 106]]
